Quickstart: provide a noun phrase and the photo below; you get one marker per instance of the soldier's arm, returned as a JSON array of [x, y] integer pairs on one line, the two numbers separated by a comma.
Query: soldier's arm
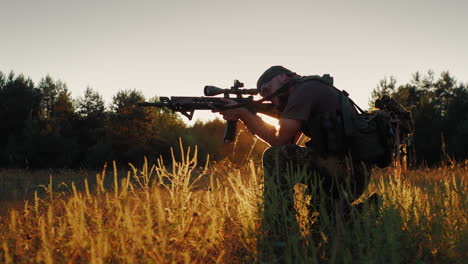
[[288, 130]]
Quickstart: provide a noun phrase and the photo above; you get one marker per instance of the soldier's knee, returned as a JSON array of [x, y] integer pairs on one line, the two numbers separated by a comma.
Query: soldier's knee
[[285, 151], [270, 159], [271, 154]]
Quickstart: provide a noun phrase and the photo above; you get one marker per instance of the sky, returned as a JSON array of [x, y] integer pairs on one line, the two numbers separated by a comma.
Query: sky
[[175, 48]]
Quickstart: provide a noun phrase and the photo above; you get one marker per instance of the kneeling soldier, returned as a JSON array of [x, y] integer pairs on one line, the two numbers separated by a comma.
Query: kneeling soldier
[[313, 106]]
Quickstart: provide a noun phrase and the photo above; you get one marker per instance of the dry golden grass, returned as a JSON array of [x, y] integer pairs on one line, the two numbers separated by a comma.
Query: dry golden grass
[[184, 213]]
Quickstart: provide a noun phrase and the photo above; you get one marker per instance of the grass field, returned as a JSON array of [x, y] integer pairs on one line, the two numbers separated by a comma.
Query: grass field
[[184, 212]]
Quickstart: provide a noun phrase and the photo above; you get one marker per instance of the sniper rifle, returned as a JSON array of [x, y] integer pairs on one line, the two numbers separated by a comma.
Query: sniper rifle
[[187, 105]]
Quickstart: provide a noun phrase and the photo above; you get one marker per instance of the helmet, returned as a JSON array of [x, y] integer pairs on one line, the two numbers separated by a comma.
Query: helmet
[[269, 74]]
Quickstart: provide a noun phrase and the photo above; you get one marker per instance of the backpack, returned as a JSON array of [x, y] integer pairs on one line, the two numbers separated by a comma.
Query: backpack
[[376, 137]]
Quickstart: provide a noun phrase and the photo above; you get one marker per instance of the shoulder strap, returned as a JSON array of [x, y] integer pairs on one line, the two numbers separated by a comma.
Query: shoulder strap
[[346, 113], [346, 102], [346, 95], [327, 79]]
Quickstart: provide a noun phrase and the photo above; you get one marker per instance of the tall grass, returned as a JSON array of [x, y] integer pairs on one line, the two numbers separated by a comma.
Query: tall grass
[[186, 213]]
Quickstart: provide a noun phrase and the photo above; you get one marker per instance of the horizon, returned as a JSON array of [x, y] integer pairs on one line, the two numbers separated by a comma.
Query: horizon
[[176, 48]]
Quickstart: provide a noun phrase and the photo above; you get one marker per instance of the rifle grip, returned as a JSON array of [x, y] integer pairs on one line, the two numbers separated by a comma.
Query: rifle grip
[[230, 131]]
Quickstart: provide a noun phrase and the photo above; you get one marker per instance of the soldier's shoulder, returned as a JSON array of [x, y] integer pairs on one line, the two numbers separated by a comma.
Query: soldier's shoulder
[[325, 79]]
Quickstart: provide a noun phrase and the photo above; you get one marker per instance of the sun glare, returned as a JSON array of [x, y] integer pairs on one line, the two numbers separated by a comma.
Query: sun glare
[[270, 120]]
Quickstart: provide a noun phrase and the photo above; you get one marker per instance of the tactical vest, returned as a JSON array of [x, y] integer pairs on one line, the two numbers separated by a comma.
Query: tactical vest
[[373, 137], [328, 139]]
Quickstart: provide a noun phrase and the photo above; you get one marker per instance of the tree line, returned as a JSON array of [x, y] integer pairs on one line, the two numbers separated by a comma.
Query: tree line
[[44, 127], [439, 107]]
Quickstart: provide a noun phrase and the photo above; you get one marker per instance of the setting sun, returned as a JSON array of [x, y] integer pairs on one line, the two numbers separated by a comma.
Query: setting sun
[[270, 120], [115, 145]]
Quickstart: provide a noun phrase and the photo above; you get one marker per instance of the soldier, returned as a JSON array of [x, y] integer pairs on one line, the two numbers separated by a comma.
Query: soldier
[[313, 106]]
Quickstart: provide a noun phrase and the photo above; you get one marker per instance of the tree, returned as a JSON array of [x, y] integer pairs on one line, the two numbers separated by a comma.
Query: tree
[[19, 104], [49, 92], [384, 87], [137, 131], [440, 109], [95, 146], [56, 103], [63, 107], [91, 105]]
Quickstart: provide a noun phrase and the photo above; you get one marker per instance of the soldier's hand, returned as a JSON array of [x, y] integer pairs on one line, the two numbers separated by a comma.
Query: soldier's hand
[[235, 113]]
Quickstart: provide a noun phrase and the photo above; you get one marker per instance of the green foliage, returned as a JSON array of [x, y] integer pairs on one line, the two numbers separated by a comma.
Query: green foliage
[[208, 145], [245, 147], [19, 106], [140, 131], [384, 87], [440, 113], [44, 127], [55, 103], [50, 129], [91, 105]]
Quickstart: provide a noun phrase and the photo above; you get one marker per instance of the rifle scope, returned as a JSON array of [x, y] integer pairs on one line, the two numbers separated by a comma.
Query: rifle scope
[[213, 90]]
